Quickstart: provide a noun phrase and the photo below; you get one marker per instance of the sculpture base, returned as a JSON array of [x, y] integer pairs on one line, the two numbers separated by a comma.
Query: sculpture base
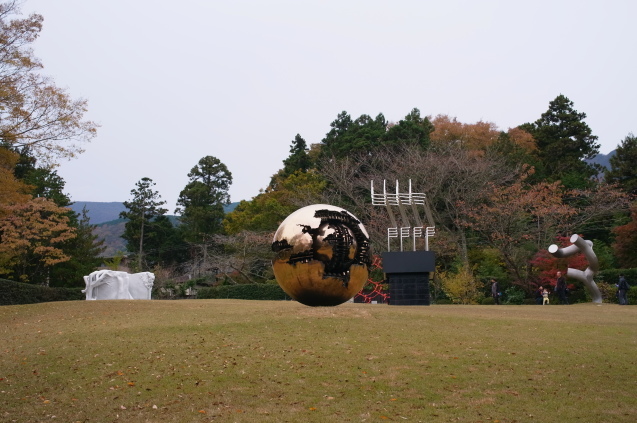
[[407, 273]]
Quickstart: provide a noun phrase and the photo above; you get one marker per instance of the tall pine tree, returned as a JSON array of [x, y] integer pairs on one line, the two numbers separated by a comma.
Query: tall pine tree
[[201, 201], [622, 165], [563, 142], [143, 208]]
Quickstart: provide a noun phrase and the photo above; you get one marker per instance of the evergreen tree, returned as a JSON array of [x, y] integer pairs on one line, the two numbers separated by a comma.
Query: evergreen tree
[[563, 141], [164, 245], [412, 129], [298, 160], [85, 250], [44, 182], [622, 165], [367, 134], [144, 207], [201, 201], [347, 136], [339, 127]]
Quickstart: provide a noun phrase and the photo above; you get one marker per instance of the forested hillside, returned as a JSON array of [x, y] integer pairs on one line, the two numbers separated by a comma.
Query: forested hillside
[[109, 227], [101, 212]]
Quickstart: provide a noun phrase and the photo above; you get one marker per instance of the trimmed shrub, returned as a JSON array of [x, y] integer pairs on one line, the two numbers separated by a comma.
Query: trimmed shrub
[[256, 291], [13, 293]]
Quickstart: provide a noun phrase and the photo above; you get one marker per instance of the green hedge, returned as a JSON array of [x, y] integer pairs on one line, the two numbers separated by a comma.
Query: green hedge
[[611, 276], [13, 293], [256, 291]]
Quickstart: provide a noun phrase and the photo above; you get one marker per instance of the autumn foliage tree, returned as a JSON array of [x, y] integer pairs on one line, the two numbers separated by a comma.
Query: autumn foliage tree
[[35, 112], [12, 190], [546, 265], [32, 233], [519, 219], [462, 286], [42, 119], [625, 244]]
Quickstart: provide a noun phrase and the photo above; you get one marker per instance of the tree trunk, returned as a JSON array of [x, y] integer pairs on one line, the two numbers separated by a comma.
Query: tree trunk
[[141, 246]]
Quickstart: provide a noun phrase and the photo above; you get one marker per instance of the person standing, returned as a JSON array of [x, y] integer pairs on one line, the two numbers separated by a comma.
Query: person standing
[[622, 290], [560, 288], [545, 297], [494, 291], [539, 295]]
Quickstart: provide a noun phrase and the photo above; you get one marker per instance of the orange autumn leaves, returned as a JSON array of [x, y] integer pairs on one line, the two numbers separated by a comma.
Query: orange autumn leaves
[[30, 228], [475, 136]]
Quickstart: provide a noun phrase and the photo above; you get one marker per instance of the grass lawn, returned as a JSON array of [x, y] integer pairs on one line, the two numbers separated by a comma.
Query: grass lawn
[[262, 361]]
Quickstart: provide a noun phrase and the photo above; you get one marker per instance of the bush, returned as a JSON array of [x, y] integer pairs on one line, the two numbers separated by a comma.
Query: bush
[[580, 295], [514, 295], [13, 293], [256, 291], [488, 301]]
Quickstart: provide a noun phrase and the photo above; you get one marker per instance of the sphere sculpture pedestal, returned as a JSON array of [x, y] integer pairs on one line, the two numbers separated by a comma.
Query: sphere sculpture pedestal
[[322, 255], [407, 273]]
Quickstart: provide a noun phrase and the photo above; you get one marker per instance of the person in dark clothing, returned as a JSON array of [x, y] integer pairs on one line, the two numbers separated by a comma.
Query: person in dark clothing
[[622, 290], [560, 288], [539, 299], [494, 291]]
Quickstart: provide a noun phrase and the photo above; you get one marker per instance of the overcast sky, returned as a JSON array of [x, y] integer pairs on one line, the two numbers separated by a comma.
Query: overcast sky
[[171, 82]]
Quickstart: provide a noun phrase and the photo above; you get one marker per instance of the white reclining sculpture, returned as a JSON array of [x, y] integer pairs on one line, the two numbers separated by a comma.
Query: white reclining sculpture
[[114, 285]]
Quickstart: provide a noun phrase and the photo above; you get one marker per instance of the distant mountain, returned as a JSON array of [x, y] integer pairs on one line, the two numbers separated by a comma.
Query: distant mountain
[[108, 225], [602, 159], [111, 232], [99, 212]]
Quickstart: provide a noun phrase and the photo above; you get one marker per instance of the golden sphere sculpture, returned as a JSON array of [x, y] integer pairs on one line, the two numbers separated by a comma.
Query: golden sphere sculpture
[[322, 255]]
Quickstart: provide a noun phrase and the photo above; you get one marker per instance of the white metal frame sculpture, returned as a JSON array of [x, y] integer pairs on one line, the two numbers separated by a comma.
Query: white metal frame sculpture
[[579, 244], [405, 229]]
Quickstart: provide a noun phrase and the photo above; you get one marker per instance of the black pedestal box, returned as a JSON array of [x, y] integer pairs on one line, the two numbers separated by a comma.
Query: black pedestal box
[[407, 273]]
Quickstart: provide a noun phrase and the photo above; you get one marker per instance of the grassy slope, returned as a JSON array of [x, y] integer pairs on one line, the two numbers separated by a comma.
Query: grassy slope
[[229, 360]]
